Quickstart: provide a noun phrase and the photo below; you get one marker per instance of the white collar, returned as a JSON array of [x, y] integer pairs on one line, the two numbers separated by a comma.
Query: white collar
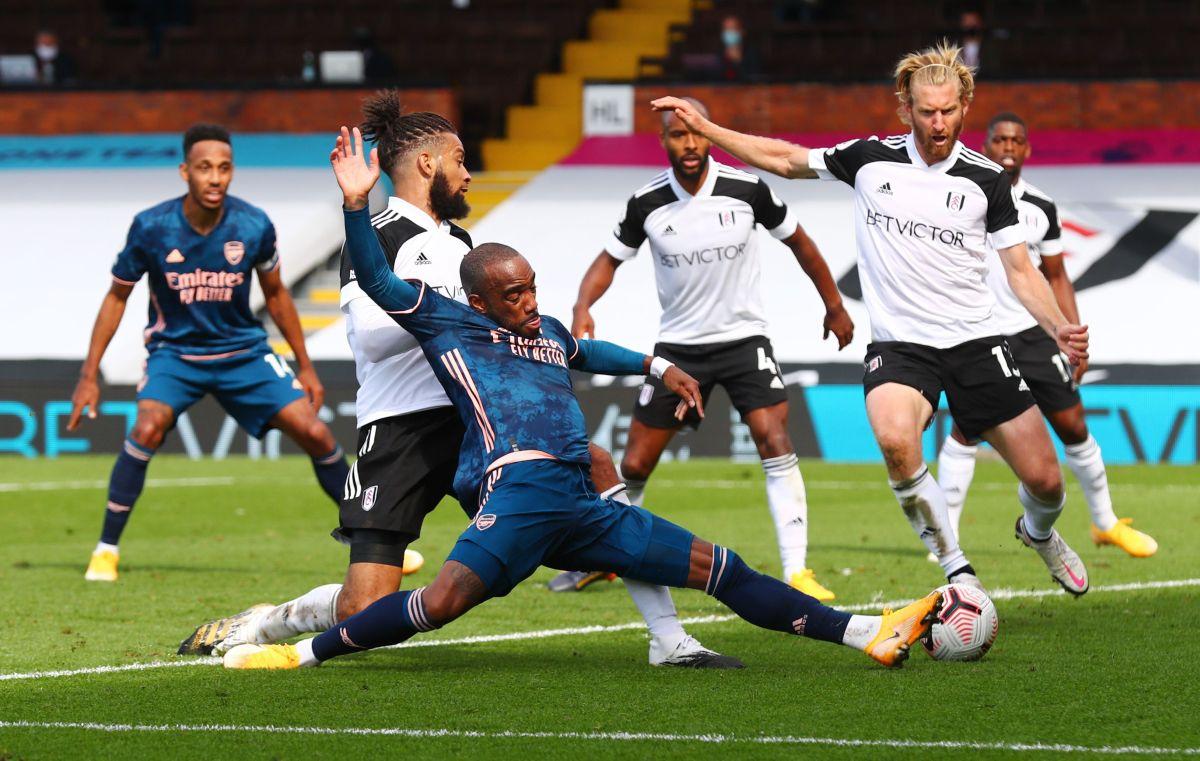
[[1018, 188], [705, 189], [910, 144], [415, 214]]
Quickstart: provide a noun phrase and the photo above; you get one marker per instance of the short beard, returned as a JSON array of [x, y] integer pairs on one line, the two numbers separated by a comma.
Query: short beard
[[681, 171], [446, 204]]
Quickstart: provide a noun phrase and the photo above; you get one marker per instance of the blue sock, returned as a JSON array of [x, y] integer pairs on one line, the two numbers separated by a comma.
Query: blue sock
[[769, 603], [331, 473], [124, 487], [387, 621]]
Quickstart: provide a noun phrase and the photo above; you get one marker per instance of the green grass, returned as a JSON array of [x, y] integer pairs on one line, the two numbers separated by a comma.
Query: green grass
[[1110, 669]]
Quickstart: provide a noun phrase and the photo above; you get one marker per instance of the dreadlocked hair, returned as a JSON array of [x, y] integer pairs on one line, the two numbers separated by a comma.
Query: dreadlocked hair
[[936, 65], [394, 132]]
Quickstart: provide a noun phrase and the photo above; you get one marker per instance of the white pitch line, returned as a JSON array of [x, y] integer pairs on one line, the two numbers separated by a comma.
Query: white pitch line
[[881, 484], [995, 594], [10, 486], [709, 739]]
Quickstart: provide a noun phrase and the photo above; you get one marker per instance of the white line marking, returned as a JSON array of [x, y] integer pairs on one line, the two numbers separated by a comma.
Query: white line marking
[[996, 594], [880, 484], [98, 484], [711, 739]]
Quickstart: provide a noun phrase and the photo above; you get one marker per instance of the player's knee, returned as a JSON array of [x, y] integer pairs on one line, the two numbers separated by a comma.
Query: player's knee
[[775, 444], [1073, 431], [355, 602], [148, 432], [636, 467], [314, 436], [896, 449], [1046, 484], [444, 605]]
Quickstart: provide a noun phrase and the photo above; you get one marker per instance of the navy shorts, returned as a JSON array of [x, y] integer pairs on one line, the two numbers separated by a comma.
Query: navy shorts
[[251, 385], [547, 512]]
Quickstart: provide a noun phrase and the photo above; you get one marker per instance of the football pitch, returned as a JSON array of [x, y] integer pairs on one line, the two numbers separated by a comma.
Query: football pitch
[[89, 669]]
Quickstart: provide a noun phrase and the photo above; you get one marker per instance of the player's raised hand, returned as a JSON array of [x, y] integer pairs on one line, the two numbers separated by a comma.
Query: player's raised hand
[[838, 322], [687, 113], [87, 395], [582, 324], [312, 386], [1073, 341], [356, 174], [688, 389]]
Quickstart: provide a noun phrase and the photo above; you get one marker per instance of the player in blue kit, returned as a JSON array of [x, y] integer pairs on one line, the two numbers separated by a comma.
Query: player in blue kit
[[199, 253], [524, 462]]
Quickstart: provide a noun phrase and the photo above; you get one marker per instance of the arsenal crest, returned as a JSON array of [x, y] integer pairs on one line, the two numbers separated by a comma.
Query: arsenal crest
[[955, 201], [485, 521], [234, 251]]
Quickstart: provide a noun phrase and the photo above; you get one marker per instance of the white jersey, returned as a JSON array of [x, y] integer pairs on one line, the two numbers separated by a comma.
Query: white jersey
[[394, 378], [922, 232], [1043, 237], [705, 251]]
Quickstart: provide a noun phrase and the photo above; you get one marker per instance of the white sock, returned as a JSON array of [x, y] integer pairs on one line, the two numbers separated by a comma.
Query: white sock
[[314, 611], [305, 651], [1085, 462], [1039, 516], [634, 490], [105, 547], [789, 509], [956, 468], [924, 505], [861, 630]]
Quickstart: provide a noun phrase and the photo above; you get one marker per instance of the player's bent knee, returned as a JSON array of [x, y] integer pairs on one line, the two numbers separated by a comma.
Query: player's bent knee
[[148, 433], [636, 468], [1046, 485]]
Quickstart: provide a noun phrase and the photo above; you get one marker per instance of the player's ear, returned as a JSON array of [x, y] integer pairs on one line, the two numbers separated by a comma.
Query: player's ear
[[183, 172], [476, 302], [426, 164]]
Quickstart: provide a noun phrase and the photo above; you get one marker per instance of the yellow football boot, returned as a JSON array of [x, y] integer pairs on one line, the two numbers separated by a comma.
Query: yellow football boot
[[899, 630], [102, 566], [262, 657], [1137, 543], [805, 581]]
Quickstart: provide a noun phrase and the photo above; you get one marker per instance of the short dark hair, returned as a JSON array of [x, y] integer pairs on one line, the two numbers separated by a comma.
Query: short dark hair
[[394, 132], [198, 132], [473, 269], [1005, 116]]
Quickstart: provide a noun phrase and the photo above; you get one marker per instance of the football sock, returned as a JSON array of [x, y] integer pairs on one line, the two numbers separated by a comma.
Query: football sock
[[331, 471], [1085, 462], [789, 509], [924, 505], [1039, 516], [769, 603], [387, 621], [314, 611], [956, 468], [124, 487], [634, 489], [861, 630]]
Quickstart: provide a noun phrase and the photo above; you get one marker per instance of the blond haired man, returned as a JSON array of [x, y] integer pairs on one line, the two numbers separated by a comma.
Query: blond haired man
[[926, 210]]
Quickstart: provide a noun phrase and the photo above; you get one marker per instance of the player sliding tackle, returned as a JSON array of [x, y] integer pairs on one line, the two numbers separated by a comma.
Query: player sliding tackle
[[524, 460]]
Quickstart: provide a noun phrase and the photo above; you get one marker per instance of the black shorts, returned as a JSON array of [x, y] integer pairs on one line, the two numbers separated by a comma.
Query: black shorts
[[1045, 369], [405, 467], [982, 387], [746, 369]]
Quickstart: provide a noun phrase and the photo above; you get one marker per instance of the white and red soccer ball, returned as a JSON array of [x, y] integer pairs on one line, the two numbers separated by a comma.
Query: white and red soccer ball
[[965, 627]]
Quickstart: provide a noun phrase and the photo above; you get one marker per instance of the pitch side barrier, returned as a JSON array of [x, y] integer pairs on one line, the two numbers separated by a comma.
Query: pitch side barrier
[[1138, 413]]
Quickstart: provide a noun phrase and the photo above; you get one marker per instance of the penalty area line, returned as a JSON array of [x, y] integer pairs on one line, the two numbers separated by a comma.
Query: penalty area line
[[479, 639], [707, 738]]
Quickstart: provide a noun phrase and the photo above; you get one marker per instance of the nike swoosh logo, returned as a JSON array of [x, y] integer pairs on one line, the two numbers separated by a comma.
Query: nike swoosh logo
[[1079, 582]]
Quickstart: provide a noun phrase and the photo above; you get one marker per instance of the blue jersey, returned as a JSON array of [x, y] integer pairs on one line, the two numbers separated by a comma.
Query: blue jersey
[[514, 394], [199, 284]]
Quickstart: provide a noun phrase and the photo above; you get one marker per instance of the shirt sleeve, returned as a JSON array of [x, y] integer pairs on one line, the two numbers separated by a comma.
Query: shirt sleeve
[[772, 213], [130, 264], [629, 233], [268, 254], [1003, 224], [841, 162], [1051, 244], [604, 358], [375, 332]]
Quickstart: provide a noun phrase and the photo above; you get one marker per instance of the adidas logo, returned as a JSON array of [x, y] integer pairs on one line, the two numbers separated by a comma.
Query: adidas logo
[[668, 230], [422, 259], [175, 257], [885, 188]]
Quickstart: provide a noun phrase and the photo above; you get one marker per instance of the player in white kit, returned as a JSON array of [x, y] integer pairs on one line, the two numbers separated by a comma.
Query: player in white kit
[[1049, 376], [700, 220], [925, 209]]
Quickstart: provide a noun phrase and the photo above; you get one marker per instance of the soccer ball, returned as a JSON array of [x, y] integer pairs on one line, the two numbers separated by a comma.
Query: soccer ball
[[966, 626]]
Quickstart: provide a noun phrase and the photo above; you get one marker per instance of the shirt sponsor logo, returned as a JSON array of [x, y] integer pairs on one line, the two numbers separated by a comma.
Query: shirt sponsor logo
[[539, 349], [175, 257], [913, 229], [712, 255], [955, 201], [235, 250], [369, 497], [204, 285], [484, 521]]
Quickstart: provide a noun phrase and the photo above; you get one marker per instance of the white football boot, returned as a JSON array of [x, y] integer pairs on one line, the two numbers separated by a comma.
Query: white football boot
[[1063, 563]]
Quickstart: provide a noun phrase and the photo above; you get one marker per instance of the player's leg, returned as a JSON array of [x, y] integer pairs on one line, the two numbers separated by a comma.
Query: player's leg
[[643, 449], [956, 470], [899, 413], [299, 421]]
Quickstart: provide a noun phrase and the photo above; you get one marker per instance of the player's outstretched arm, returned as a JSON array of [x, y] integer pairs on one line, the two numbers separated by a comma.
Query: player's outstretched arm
[[283, 313], [1034, 293], [776, 156], [596, 282], [837, 319], [87, 390], [605, 358]]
